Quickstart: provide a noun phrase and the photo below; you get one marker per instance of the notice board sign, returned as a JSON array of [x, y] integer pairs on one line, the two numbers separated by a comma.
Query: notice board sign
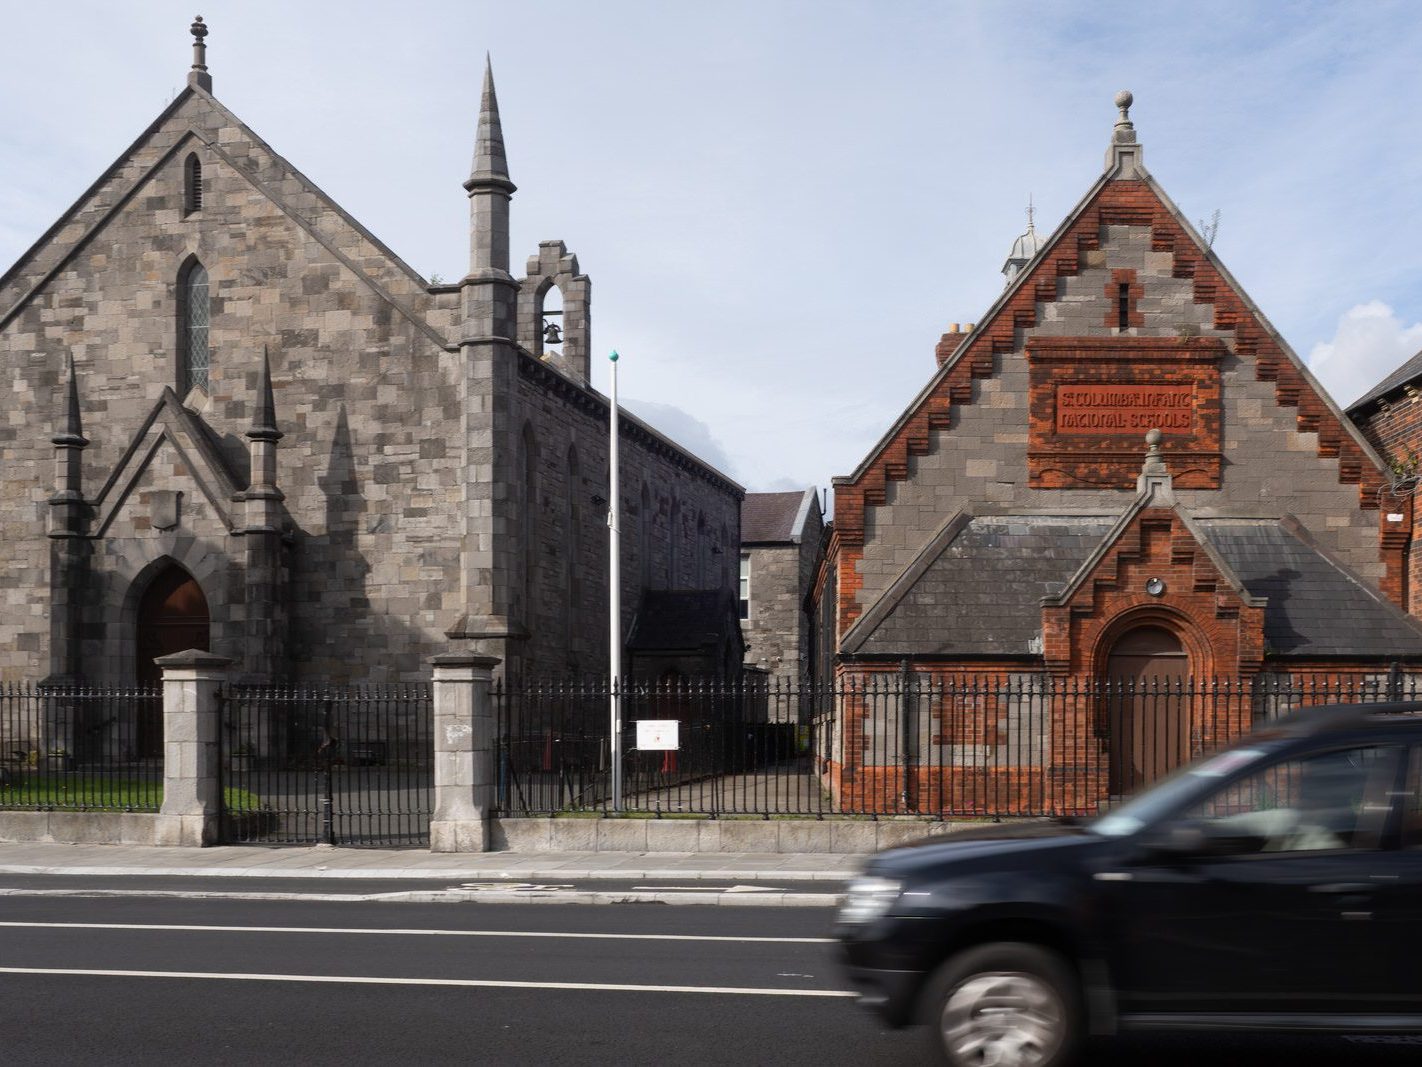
[[658, 735]]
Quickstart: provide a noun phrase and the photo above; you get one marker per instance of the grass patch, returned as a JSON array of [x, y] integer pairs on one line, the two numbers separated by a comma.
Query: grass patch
[[98, 792]]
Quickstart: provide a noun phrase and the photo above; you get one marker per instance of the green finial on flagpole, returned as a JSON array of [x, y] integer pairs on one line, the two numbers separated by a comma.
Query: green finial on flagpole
[[613, 357]]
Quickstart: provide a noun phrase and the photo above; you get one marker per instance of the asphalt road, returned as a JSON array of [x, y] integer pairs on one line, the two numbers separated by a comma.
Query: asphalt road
[[167, 981]]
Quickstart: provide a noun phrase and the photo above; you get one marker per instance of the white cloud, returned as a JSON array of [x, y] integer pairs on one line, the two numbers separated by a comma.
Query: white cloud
[[1369, 344], [686, 430]]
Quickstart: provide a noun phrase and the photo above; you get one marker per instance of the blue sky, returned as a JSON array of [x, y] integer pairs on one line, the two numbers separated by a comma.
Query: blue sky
[[783, 205]]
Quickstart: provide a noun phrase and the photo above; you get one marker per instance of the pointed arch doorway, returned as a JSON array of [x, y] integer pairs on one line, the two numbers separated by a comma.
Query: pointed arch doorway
[[172, 617], [1148, 709]]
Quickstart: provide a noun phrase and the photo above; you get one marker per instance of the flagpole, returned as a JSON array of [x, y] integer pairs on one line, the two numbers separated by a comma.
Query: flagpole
[[614, 599]]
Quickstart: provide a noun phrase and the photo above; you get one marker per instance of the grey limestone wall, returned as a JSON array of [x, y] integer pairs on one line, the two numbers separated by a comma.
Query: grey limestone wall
[[680, 523], [981, 461], [365, 394], [398, 461], [778, 630], [777, 627]]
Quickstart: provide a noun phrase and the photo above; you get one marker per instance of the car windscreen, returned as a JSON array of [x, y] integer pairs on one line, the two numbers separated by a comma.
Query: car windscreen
[[1175, 790]]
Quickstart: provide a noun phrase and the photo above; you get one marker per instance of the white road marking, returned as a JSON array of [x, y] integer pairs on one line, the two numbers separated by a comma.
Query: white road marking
[[411, 932], [476, 983], [513, 887], [709, 888]]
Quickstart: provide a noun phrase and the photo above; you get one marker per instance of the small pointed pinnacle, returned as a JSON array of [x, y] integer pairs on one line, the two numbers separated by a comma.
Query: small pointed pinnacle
[[490, 163], [264, 427], [73, 432]]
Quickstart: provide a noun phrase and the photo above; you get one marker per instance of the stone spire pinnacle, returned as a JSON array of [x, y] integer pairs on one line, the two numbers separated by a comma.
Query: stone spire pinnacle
[[73, 432], [199, 76], [66, 505], [489, 190], [264, 427], [491, 168], [1123, 157]]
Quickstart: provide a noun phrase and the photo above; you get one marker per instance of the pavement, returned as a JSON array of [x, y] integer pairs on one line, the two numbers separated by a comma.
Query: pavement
[[322, 871]]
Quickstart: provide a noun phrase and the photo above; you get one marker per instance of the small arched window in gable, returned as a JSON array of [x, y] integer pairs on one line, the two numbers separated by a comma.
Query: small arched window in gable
[[192, 184], [195, 356]]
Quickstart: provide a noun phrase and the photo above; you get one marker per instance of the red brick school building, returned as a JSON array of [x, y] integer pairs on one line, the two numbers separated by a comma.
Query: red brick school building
[[1121, 473]]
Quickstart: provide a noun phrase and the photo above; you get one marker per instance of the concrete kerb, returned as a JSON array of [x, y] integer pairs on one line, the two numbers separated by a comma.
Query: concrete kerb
[[838, 836], [745, 879], [336, 863]]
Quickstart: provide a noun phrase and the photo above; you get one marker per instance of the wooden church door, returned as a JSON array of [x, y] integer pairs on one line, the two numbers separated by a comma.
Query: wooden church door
[[172, 617], [1148, 715]]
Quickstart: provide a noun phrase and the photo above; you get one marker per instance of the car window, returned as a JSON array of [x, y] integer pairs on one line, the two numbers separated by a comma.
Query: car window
[[1173, 791], [1329, 801], [1412, 801]]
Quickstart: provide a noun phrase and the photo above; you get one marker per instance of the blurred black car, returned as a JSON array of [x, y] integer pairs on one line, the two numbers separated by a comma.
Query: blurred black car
[[1274, 886]]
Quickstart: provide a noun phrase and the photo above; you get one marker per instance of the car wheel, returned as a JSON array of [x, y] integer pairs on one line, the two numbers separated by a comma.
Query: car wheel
[[1003, 1005]]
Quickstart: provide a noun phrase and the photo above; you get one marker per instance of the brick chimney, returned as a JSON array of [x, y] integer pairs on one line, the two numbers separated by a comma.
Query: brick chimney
[[950, 341]]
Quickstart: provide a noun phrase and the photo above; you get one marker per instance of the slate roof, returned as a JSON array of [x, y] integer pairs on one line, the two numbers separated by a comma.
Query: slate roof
[[771, 517], [1315, 607], [670, 620], [982, 595], [1404, 374]]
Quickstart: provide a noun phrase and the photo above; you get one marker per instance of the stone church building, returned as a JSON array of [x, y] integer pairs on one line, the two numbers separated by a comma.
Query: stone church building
[[1122, 471], [235, 420]]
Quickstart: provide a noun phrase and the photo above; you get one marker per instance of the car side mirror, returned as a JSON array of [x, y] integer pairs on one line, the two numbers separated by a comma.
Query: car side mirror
[[1179, 840], [1202, 840]]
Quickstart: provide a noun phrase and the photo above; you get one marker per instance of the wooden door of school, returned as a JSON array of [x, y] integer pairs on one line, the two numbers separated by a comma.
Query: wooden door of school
[[1148, 703]]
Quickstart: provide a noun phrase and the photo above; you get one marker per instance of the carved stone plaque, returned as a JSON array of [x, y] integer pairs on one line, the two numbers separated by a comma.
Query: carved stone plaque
[[1093, 399], [166, 506]]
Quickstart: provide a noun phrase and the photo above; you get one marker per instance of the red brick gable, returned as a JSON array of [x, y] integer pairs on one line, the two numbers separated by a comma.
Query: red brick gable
[[1220, 624], [1119, 202]]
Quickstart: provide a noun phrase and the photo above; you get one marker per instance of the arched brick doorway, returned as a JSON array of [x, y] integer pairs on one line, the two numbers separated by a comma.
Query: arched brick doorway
[[1148, 715], [172, 617]]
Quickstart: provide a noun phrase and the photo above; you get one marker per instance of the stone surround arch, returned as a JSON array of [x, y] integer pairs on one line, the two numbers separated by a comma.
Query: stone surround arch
[[134, 566], [1147, 731], [1162, 616]]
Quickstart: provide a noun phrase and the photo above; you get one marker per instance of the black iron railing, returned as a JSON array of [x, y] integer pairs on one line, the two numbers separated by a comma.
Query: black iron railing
[[79, 748], [885, 742], [349, 765]]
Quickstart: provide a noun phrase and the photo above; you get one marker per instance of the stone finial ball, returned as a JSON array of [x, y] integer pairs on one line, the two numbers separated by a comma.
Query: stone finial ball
[[1124, 99], [1153, 437], [197, 29]]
